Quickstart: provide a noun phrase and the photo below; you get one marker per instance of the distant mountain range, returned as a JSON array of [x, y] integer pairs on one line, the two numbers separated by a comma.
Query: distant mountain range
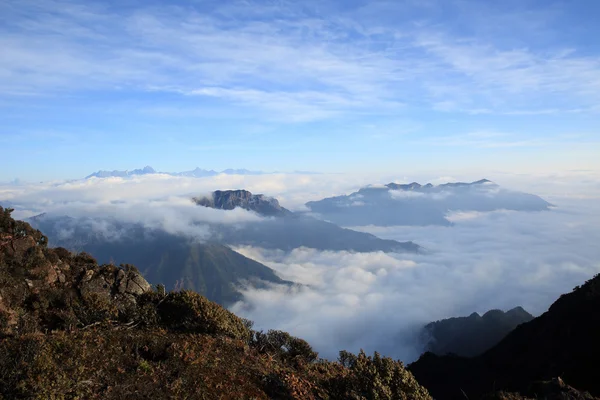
[[195, 173], [472, 335], [415, 204]]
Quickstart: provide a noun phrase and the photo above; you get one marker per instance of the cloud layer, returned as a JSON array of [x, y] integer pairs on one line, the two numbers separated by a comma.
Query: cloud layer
[[374, 301], [378, 302]]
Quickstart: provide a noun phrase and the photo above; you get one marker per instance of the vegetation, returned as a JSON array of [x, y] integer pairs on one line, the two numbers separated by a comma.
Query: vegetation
[[71, 329]]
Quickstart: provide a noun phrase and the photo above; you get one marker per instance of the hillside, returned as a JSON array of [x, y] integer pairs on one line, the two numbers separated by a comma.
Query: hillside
[[211, 269], [70, 328], [472, 335], [561, 342]]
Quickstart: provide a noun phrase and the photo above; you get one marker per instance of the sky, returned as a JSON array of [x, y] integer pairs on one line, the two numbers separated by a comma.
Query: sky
[[331, 86]]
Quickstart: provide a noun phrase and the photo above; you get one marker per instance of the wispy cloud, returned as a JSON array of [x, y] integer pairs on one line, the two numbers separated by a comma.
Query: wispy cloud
[[285, 59], [492, 139]]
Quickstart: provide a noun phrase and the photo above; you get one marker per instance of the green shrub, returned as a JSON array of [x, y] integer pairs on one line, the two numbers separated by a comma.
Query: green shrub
[[190, 312], [378, 378], [95, 308], [285, 346]]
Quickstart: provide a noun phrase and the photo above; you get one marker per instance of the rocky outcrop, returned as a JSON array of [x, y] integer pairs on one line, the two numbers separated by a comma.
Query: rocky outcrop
[[39, 279], [230, 199], [111, 283]]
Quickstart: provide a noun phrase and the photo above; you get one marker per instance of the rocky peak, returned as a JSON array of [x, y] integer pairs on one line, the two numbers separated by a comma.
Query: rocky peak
[[230, 199]]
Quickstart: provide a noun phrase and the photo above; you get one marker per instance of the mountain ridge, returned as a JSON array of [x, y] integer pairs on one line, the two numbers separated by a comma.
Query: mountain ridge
[[420, 205], [472, 335], [561, 342], [148, 170]]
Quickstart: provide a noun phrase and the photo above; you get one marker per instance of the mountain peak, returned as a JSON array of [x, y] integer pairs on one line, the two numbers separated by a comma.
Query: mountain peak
[[410, 186], [230, 199]]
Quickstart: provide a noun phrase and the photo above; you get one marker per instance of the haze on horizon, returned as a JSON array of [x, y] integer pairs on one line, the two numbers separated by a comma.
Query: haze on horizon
[[337, 86]]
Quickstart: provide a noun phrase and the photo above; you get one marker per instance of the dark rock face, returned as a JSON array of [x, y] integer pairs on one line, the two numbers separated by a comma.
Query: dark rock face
[[472, 335], [561, 342], [230, 199]]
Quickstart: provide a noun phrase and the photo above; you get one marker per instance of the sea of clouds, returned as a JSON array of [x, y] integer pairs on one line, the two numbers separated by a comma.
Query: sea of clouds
[[374, 301]]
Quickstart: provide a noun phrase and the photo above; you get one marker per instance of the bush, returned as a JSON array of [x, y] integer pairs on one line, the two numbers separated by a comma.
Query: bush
[[377, 378], [284, 346], [190, 312]]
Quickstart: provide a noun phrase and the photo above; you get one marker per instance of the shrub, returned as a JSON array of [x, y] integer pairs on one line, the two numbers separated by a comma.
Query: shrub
[[95, 308], [190, 312], [377, 378], [285, 346]]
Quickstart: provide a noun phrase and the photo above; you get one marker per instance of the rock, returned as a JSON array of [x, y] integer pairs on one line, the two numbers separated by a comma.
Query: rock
[[230, 199], [136, 284], [88, 276]]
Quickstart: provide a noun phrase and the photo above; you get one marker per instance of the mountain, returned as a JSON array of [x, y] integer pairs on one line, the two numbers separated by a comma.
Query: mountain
[[561, 342], [73, 329], [472, 335], [415, 204], [287, 230], [230, 199], [122, 174], [211, 269], [195, 173]]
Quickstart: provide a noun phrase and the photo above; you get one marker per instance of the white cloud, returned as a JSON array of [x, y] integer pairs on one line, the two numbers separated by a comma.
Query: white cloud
[[300, 66], [378, 301]]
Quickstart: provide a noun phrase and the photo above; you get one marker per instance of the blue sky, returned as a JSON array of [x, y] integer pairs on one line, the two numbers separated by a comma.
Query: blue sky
[[332, 86]]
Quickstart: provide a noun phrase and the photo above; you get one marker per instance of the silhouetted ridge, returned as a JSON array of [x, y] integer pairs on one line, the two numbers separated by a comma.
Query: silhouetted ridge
[[472, 335], [561, 342]]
